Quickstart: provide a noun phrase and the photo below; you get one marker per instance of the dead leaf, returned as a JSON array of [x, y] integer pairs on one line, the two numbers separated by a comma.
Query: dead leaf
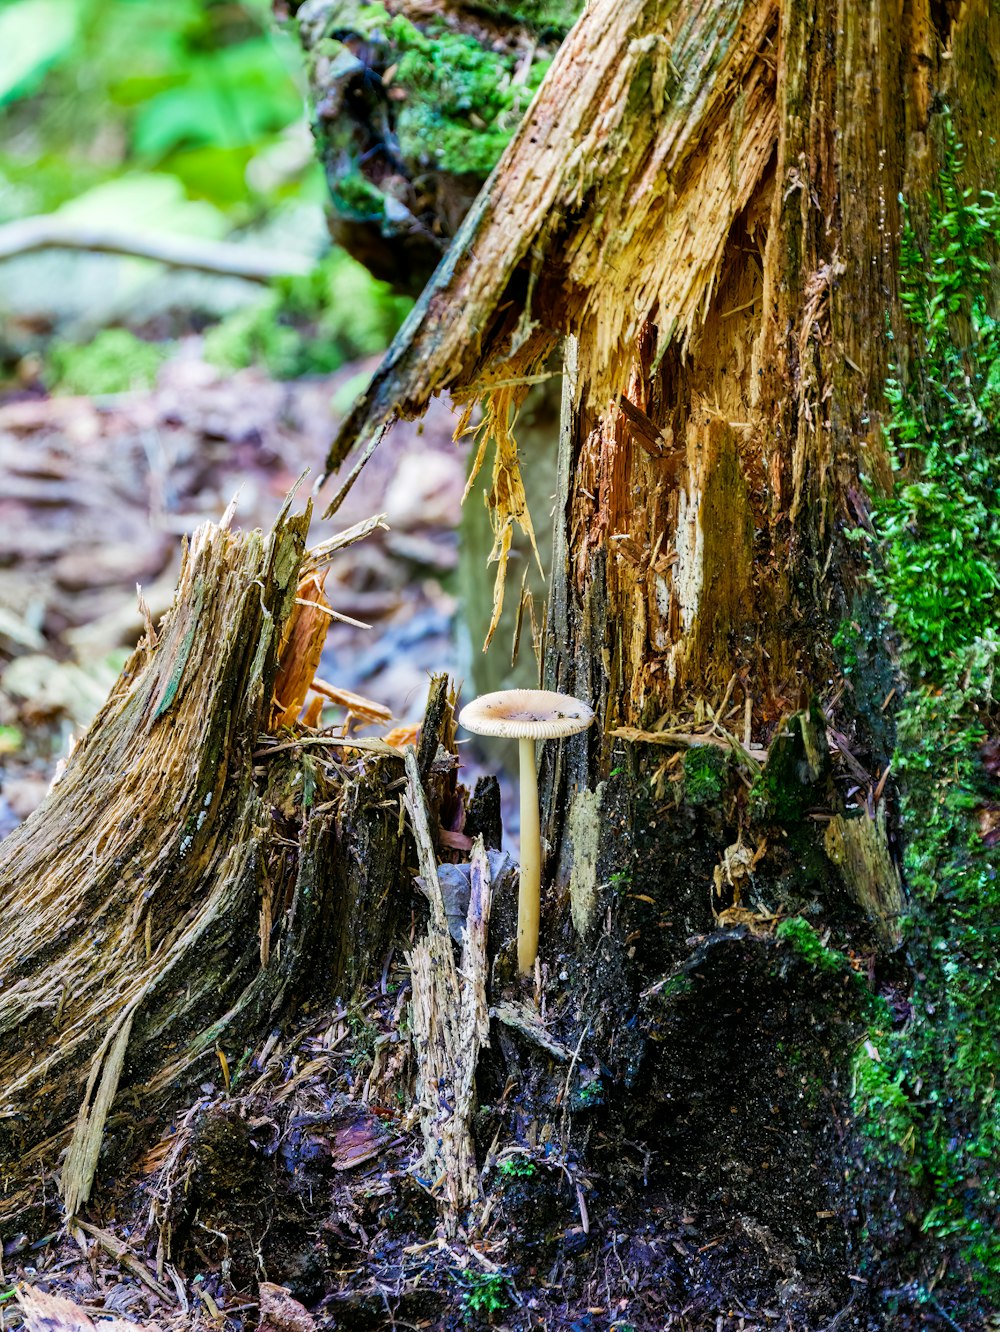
[[281, 1312], [45, 1312]]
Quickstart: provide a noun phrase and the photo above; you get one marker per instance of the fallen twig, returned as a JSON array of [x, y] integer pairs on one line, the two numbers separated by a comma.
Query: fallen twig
[[222, 258]]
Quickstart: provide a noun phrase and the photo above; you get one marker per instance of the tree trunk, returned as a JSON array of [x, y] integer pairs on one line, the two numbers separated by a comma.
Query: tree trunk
[[730, 1070], [703, 201]]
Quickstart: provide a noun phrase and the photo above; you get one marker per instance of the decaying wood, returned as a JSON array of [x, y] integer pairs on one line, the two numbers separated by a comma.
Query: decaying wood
[[859, 847], [721, 259], [657, 191], [306, 629], [627, 232], [450, 1020], [142, 862], [356, 705], [152, 908]]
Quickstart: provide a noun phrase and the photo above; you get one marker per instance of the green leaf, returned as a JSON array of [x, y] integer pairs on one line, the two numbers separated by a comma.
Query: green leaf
[[150, 201], [229, 100], [34, 34]]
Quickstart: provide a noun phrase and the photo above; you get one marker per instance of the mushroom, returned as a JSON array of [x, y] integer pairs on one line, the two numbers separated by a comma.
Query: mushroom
[[527, 715]]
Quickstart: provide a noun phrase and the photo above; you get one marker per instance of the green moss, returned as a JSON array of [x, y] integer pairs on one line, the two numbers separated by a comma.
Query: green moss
[[705, 769], [355, 195], [928, 1106], [799, 935], [551, 18], [311, 324], [485, 1293], [845, 644], [460, 102], [516, 1167], [114, 361], [363, 1036], [939, 531]]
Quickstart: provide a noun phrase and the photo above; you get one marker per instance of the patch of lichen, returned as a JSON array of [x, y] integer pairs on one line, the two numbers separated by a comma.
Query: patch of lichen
[[926, 1094]]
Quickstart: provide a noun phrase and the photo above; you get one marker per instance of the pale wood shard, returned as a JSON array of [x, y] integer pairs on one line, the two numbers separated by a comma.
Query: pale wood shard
[[80, 1163], [650, 198], [365, 709], [321, 554], [450, 1021]]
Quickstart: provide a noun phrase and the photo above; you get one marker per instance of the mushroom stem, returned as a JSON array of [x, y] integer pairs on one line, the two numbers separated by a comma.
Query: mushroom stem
[[529, 896]]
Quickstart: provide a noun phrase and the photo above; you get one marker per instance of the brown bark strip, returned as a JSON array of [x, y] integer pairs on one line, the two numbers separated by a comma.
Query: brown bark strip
[[301, 649]]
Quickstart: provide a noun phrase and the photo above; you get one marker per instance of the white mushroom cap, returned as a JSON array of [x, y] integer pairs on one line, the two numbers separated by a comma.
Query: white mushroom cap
[[526, 714]]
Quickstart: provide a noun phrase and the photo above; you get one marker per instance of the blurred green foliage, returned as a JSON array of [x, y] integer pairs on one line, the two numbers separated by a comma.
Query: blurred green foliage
[[196, 89], [311, 324], [112, 362], [185, 117]]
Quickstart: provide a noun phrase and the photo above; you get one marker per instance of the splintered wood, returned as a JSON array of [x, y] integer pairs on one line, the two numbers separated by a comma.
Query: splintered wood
[[450, 1021], [301, 649], [622, 213], [44, 1312], [505, 499], [122, 895], [859, 847], [627, 228], [305, 634]]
